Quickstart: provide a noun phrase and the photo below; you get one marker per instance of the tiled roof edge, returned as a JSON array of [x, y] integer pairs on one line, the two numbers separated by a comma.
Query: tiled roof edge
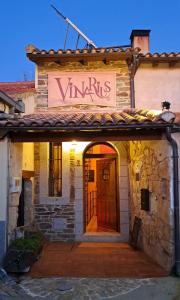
[[162, 56], [32, 50]]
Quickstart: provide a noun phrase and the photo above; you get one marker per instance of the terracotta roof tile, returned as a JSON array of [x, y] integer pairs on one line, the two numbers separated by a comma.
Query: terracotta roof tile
[[114, 53], [160, 56], [83, 120], [33, 51], [30, 49], [19, 87]]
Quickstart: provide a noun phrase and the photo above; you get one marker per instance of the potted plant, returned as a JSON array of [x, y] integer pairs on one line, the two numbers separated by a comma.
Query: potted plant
[[23, 252]]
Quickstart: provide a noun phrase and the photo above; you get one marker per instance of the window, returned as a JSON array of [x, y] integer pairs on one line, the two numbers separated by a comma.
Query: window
[[55, 169]]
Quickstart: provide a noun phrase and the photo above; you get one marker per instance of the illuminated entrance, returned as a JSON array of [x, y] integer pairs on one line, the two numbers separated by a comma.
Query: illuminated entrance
[[100, 189]]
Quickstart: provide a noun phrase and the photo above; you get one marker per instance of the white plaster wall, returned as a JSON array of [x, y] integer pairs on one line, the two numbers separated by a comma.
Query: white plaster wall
[[28, 99], [4, 179], [156, 84]]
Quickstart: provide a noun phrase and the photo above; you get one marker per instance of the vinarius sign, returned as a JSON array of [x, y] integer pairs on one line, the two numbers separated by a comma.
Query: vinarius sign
[[72, 88]]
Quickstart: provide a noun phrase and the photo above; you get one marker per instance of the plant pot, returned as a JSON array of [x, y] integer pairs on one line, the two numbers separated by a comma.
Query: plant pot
[[20, 261]]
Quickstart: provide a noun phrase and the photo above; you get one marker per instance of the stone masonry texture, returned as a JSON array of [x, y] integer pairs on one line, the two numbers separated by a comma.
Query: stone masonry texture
[[122, 79], [56, 222], [150, 169]]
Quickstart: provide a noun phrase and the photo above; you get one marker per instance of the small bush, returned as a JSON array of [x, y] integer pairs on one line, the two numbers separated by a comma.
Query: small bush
[[32, 242]]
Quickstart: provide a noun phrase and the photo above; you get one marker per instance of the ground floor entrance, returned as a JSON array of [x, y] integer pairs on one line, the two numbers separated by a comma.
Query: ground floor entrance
[[93, 191], [100, 185]]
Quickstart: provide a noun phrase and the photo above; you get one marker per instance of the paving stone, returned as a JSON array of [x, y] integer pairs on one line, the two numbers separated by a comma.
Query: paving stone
[[88, 288], [65, 286]]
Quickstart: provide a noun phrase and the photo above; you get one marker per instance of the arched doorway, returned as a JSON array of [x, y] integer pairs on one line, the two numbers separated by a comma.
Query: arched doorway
[[101, 205]]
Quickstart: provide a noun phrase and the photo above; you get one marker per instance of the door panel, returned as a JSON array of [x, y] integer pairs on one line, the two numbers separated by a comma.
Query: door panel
[[106, 194]]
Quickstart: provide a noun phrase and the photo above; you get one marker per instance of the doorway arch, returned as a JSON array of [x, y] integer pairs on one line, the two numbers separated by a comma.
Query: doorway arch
[[101, 205]]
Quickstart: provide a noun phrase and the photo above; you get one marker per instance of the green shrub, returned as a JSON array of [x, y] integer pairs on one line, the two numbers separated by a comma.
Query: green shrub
[[31, 242]]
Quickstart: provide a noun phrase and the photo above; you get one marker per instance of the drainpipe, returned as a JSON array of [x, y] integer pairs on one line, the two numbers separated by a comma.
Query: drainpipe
[[133, 66], [132, 92], [176, 200]]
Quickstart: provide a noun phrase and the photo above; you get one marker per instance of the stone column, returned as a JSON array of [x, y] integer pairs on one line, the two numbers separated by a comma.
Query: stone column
[[28, 202]]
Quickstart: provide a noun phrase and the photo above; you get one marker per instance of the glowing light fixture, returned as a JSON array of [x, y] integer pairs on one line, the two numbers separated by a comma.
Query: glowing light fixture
[[77, 146]]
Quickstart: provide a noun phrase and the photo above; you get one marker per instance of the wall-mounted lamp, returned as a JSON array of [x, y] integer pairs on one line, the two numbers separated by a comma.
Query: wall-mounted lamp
[[165, 105]]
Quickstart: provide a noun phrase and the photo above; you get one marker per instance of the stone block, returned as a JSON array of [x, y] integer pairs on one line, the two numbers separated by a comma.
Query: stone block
[[78, 193], [14, 199], [124, 229], [58, 224], [124, 181], [45, 226], [123, 171], [79, 228], [79, 182], [123, 194], [124, 205], [124, 217]]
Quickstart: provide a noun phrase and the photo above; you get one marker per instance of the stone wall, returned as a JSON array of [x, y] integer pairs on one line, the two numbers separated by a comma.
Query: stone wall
[[151, 168], [122, 80], [57, 222]]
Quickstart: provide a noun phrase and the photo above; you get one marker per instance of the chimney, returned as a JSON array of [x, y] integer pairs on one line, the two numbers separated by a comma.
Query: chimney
[[140, 38]]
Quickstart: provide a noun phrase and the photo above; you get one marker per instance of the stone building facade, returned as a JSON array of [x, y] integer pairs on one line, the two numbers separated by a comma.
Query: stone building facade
[[83, 108], [120, 68]]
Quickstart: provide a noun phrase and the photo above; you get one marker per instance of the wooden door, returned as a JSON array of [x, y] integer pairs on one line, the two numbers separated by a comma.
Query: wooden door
[[106, 194]]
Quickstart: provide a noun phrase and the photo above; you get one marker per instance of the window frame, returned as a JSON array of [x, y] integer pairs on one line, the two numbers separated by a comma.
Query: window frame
[[54, 165]]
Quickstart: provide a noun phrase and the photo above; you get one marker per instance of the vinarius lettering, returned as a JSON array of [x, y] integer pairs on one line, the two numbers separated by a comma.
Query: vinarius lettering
[[90, 87]]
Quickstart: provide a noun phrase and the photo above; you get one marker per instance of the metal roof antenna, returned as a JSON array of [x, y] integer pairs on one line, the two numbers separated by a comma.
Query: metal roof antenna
[[90, 43]]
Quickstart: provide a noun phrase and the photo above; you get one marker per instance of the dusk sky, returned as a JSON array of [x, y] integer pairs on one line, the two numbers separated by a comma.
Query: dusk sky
[[106, 23]]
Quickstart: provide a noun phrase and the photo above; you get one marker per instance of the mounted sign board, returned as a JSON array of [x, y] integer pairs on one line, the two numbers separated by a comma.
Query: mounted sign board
[[73, 88]]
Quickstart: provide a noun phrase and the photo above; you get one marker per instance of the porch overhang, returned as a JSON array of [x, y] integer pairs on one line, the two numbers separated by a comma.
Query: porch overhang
[[128, 124], [87, 135]]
